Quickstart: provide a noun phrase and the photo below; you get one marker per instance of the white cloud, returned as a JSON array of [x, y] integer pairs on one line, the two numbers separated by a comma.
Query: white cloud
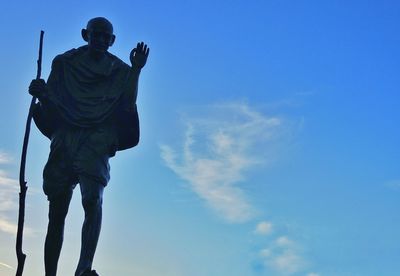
[[9, 195], [6, 265], [263, 228], [284, 241], [266, 253], [283, 256], [5, 180], [7, 227], [288, 262], [8, 192], [5, 158], [11, 228], [8, 201], [220, 146], [312, 274]]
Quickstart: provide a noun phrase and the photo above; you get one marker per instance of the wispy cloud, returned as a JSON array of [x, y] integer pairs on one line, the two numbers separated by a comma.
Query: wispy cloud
[[283, 256], [263, 228], [280, 255], [5, 158], [6, 265], [220, 145], [7, 227], [9, 189], [8, 202]]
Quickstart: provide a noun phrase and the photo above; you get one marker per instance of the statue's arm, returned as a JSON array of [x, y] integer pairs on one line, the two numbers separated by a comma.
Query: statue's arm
[[39, 88], [134, 83], [138, 58], [50, 86], [44, 113]]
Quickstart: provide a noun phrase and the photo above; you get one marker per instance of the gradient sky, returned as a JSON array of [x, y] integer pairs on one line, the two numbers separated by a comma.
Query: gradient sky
[[269, 138]]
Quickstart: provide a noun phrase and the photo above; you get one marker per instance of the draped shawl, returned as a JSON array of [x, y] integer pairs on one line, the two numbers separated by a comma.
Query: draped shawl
[[86, 92]]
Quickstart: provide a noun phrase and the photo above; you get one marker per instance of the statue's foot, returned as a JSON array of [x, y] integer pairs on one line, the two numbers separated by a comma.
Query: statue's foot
[[90, 273]]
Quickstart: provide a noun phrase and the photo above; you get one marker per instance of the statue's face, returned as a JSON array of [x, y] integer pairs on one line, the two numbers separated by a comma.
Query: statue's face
[[99, 35]]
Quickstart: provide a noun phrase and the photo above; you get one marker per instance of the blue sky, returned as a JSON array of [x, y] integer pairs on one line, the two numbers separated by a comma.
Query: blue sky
[[269, 138]]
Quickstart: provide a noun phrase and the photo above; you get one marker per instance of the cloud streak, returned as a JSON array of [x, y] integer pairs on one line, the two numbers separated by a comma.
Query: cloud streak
[[283, 256], [221, 144], [6, 265], [9, 189], [5, 158], [264, 228], [8, 202]]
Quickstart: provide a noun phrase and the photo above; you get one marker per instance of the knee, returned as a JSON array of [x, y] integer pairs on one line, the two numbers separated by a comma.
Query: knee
[[92, 204], [58, 207], [57, 215]]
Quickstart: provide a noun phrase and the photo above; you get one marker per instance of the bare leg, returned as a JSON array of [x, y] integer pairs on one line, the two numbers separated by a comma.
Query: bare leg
[[92, 199], [58, 209]]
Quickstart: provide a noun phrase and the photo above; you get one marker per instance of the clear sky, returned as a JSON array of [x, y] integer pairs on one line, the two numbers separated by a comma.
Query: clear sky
[[269, 138]]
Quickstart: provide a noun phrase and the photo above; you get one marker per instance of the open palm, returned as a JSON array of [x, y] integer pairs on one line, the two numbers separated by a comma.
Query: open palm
[[139, 55]]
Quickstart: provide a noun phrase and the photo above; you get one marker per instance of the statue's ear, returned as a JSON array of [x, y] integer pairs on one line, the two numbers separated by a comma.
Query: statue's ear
[[112, 40], [84, 33]]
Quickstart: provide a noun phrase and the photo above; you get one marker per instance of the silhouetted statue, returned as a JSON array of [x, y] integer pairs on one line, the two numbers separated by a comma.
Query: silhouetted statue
[[88, 110]]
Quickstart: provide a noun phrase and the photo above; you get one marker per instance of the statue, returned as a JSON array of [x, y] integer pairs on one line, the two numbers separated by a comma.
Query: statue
[[88, 110]]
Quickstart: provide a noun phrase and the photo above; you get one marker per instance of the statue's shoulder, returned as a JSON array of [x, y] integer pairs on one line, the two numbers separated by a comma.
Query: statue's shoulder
[[68, 55], [72, 53], [75, 53], [117, 62]]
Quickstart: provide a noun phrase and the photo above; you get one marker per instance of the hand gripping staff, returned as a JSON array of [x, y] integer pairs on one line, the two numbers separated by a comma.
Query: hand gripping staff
[[23, 187]]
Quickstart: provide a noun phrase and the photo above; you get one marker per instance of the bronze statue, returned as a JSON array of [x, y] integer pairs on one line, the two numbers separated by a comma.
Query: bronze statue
[[88, 110]]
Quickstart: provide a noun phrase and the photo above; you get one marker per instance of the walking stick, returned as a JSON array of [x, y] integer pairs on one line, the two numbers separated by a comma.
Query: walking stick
[[23, 187]]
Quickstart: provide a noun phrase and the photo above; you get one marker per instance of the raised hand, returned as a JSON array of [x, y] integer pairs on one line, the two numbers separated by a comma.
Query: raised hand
[[139, 55]]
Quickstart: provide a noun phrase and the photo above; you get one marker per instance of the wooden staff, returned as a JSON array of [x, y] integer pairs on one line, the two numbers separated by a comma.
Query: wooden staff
[[22, 183]]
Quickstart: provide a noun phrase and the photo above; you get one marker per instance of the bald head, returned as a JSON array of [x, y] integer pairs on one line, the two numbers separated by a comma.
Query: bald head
[[99, 34], [100, 24]]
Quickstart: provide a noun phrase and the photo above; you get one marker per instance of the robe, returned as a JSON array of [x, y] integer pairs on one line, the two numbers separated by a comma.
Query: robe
[[85, 93]]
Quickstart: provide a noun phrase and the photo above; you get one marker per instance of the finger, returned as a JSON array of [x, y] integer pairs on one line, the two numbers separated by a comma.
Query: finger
[[39, 82], [35, 85], [145, 48], [147, 52], [133, 53]]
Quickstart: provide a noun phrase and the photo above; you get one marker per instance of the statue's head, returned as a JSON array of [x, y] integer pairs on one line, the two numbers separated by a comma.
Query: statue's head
[[98, 34]]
